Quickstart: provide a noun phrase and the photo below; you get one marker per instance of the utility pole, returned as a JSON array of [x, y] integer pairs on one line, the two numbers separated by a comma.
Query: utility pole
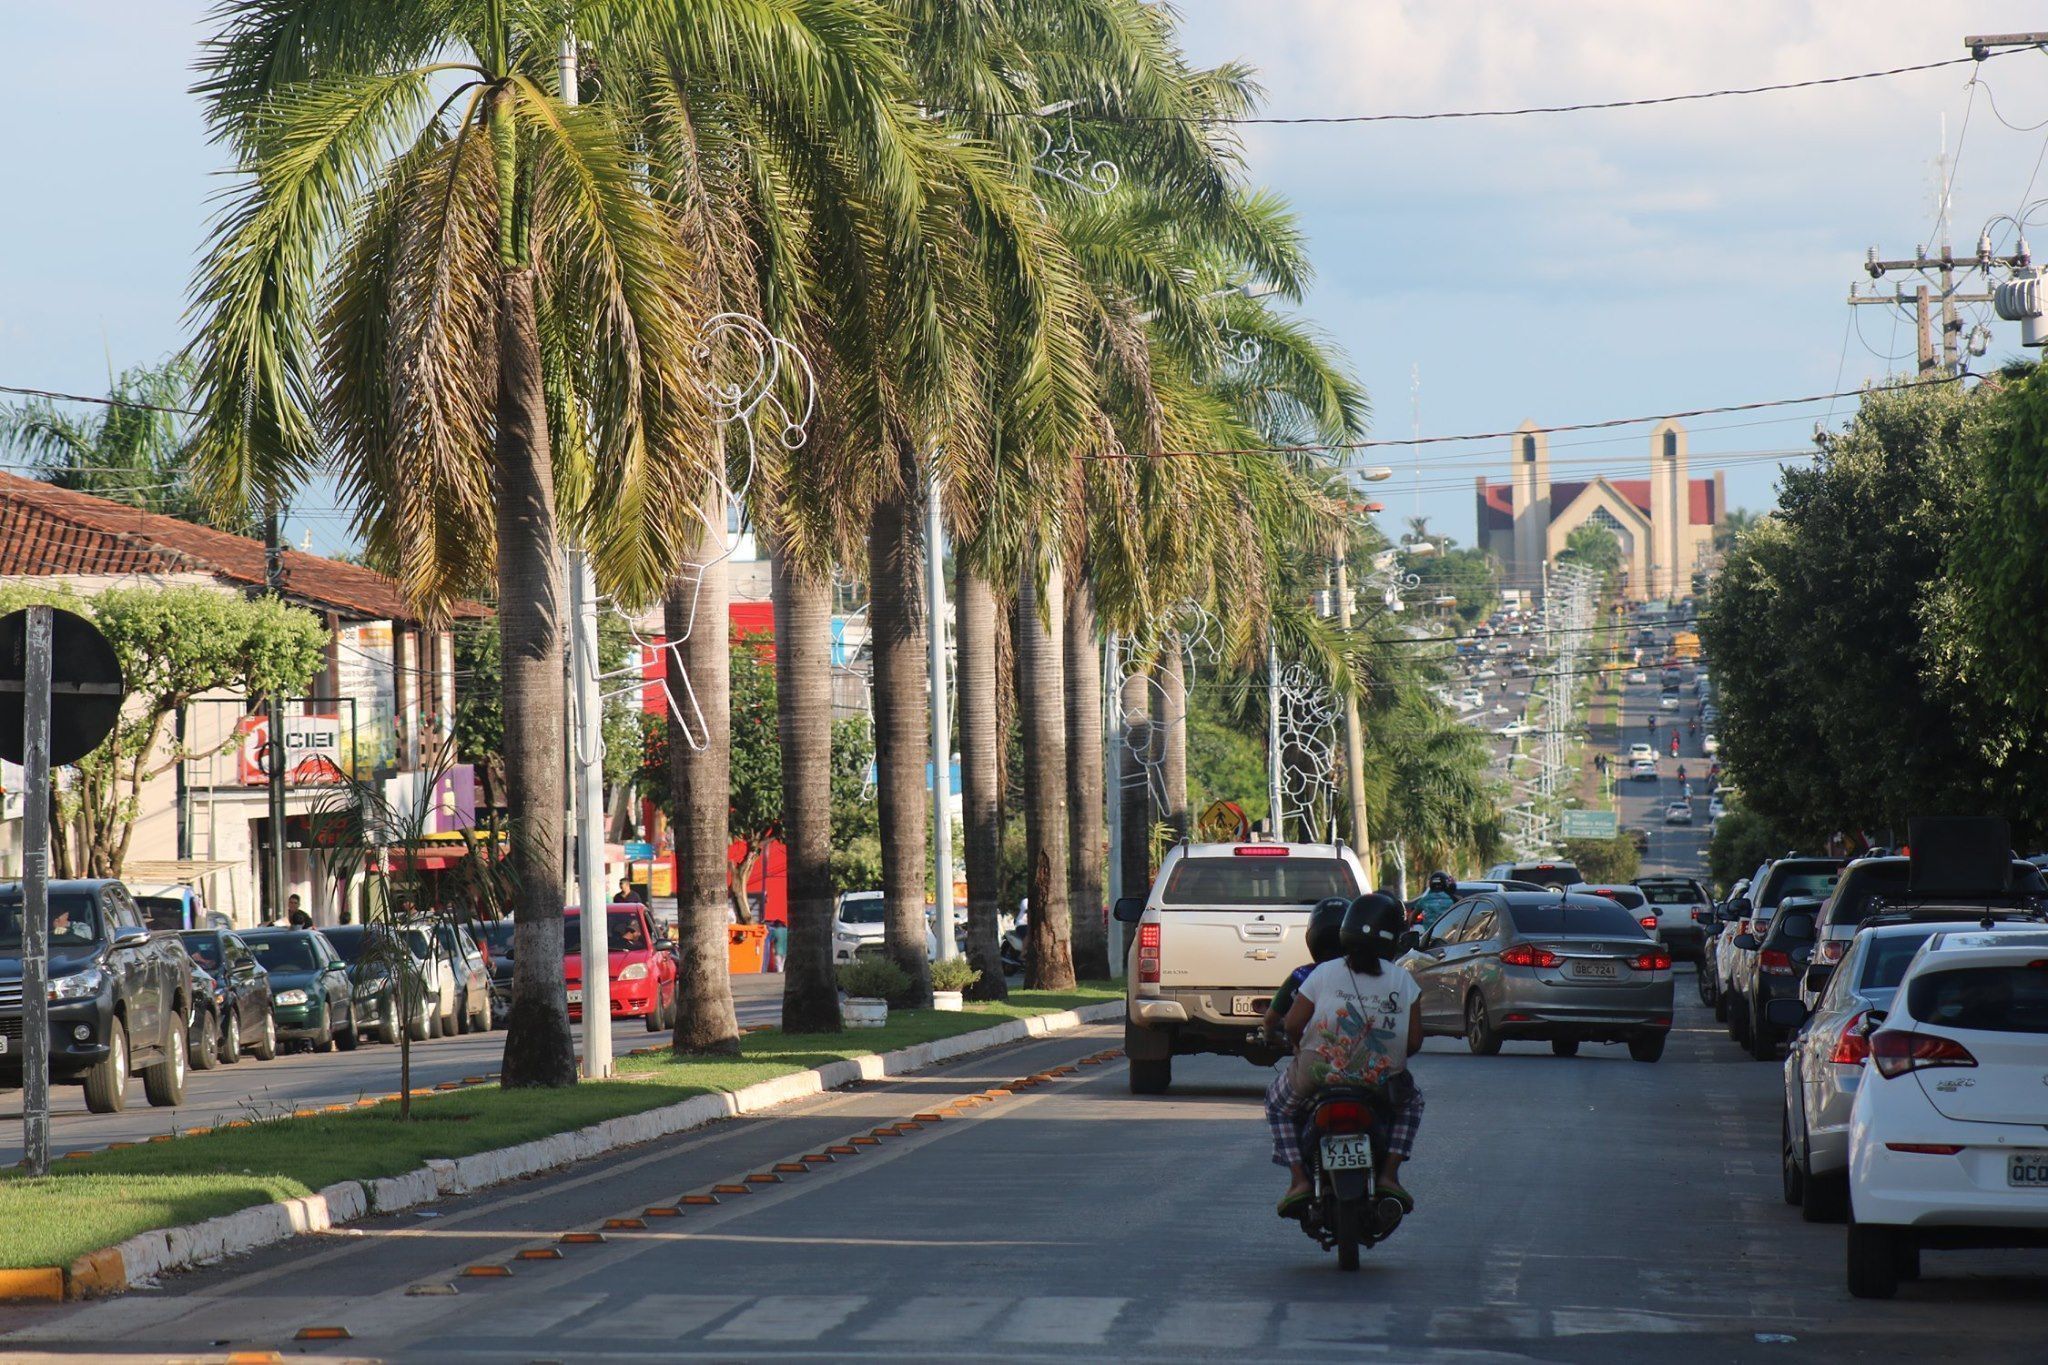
[[942, 728], [274, 770], [35, 895], [1354, 752], [1274, 790], [586, 749]]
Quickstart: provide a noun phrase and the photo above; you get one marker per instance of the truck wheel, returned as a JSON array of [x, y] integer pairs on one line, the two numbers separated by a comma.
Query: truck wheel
[[106, 1085], [266, 1051], [164, 1083], [1151, 1077]]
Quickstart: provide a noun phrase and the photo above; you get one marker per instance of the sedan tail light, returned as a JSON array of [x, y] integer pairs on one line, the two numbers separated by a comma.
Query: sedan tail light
[[1657, 960], [1925, 1148], [1774, 962], [1529, 955], [1649, 921], [1148, 954], [1897, 1051], [1853, 1047]]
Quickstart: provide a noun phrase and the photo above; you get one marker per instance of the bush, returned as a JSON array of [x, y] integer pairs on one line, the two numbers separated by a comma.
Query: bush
[[954, 974], [873, 978], [1605, 860]]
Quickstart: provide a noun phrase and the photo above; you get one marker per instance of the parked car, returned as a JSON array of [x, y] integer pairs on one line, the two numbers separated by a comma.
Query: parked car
[[379, 980], [1883, 885], [1710, 744], [1682, 908], [1946, 1146], [446, 989], [643, 975], [120, 996], [1824, 1064], [240, 995], [312, 998], [1782, 952], [474, 1013], [1566, 969], [1557, 873], [860, 924], [1793, 875], [496, 936]]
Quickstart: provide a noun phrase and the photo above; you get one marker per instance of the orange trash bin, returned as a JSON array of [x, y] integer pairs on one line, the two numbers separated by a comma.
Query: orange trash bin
[[746, 948]]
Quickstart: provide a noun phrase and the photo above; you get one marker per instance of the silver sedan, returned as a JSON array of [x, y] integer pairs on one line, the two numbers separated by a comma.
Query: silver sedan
[[1544, 967]]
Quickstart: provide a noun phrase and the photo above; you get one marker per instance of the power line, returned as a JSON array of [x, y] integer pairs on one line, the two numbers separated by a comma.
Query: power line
[[100, 400], [1231, 119]]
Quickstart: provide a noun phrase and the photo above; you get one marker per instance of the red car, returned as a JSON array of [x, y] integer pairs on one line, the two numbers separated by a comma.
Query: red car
[[643, 973]]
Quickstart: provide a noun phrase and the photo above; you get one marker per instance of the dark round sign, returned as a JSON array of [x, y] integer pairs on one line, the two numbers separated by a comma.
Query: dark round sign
[[86, 691]]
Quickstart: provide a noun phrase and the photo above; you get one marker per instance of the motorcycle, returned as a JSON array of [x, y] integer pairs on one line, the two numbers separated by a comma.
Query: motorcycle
[[1344, 1140]]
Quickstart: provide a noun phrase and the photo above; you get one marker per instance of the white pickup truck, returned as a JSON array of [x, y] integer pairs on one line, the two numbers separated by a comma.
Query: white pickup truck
[[1219, 933]]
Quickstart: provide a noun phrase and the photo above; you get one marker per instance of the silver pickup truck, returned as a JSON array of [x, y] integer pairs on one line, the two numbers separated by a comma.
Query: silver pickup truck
[[1223, 926]]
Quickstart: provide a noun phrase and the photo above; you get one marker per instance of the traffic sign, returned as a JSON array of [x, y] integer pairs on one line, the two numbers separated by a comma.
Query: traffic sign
[[85, 686], [1591, 824]]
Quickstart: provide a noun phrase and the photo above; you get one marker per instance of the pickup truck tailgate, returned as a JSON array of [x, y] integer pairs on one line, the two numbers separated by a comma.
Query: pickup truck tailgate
[[1246, 949]]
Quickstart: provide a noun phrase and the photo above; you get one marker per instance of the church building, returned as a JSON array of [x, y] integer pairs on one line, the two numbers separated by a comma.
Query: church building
[[1665, 523]]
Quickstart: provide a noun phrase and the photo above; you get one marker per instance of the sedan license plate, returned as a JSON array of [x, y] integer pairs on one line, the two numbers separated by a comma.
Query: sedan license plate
[[1349, 1153], [2028, 1169], [575, 997], [1596, 971], [1245, 1004]]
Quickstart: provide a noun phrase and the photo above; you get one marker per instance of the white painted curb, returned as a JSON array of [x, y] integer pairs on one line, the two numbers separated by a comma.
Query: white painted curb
[[149, 1254]]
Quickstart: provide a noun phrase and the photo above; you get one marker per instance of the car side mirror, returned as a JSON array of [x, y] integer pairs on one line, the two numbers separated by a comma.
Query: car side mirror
[[1788, 1013], [1873, 1021], [1739, 907], [1128, 909], [1746, 942], [1409, 941], [130, 936]]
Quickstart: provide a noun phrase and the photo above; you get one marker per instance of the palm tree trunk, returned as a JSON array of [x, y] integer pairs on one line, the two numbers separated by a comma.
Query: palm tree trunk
[[974, 616], [1173, 701], [1085, 850], [698, 616], [1041, 700], [1134, 805], [803, 694], [539, 1050], [902, 722]]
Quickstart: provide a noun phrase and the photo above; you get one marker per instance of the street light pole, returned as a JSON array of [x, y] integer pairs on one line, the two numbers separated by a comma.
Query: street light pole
[[1274, 790], [942, 729], [1354, 751], [587, 768], [274, 770]]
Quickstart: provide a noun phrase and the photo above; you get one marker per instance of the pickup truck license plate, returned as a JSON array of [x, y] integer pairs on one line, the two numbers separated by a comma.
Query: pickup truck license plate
[[1245, 1004], [2027, 1168], [1352, 1152], [3, 1045], [575, 997], [1599, 971]]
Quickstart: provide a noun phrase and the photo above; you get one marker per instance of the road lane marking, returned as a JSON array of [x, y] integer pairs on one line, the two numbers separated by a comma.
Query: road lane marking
[[1335, 1324], [1212, 1323], [1061, 1320], [936, 1317], [790, 1317], [659, 1317]]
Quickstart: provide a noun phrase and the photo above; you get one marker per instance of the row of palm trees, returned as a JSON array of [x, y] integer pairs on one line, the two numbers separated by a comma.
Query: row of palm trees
[[489, 310]]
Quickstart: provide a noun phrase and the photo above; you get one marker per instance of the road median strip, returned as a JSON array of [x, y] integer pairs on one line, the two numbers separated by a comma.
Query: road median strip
[[160, 1187]]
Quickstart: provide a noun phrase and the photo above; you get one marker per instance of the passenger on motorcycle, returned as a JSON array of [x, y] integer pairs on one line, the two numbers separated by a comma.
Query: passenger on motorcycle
[[1431, 904], [1355, 1021], [1325, 923]]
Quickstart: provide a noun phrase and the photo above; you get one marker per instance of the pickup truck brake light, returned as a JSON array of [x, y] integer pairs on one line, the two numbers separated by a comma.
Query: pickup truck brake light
[[1259, 851], [1148, 954]]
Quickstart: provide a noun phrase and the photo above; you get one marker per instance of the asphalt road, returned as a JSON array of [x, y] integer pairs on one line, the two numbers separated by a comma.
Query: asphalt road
[[1586, 1209], [1673, 848], [303, 1079]]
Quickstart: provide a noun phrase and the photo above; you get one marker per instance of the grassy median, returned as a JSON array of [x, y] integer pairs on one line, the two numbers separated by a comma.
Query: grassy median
[[95, 1201]]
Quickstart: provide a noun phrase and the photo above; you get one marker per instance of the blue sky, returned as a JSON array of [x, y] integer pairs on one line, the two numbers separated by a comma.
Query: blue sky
[[1563, 268]]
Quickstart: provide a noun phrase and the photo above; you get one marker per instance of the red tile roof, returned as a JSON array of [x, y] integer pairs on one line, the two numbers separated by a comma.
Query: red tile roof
[[1700, 509], [47, 531]]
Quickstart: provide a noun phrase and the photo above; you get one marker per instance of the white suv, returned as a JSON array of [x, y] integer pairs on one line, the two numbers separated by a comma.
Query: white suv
[[1219, 933], [1946, 1142]]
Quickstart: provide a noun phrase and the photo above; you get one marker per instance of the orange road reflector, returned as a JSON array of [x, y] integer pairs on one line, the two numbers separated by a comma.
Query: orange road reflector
[[764, 1178], [869, 1141], [730, 1189], [790, 1167], [624, 1224], [420, 1291], [580, 1239], [891, 1131], [160, 1137], [367, 1103], [907, 1126], [254, 1358], [539, 1254], [487, 1272], [661, 1211], [472, 1080], [844, 1148], [697, 1200], [239, 1123], [998, 1093], [80, 1156], [449, 1085], [929, 1118], [817, 1159], [321, 1334]]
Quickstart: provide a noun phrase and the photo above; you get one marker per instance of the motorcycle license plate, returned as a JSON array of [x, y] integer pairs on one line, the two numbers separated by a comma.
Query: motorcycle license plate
[[1245, 1004], [1605, 971], [2029, 1169], [1349, 1153], [575, 997]]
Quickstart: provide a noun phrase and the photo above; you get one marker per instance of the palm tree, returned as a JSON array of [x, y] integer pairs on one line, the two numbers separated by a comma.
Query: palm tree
[[1082, 663], [975, 626], [1041, 705]]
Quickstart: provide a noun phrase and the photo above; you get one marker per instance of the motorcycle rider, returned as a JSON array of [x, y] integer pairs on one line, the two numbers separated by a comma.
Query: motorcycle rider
[[1355, 1021], [1430, 905]]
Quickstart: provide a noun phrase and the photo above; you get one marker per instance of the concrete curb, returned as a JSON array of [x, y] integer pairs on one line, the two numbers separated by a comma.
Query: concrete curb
[[141, 1258]]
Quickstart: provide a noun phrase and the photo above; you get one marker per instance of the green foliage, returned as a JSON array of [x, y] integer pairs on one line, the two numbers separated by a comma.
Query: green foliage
[[1742, 839], [1466, 574], [856, 818], [1428, 781], [173, 644], [1225, 763], [1613, 859], [1594, 547], [480, 706], [954, 974], [873, 978]]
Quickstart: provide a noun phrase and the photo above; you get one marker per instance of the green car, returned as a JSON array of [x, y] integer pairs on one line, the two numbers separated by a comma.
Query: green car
[[311, 996]]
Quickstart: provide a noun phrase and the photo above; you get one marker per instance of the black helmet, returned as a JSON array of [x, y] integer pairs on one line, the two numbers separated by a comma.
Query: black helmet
[[1374, 924], [1440, 881], [1325, 928]]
